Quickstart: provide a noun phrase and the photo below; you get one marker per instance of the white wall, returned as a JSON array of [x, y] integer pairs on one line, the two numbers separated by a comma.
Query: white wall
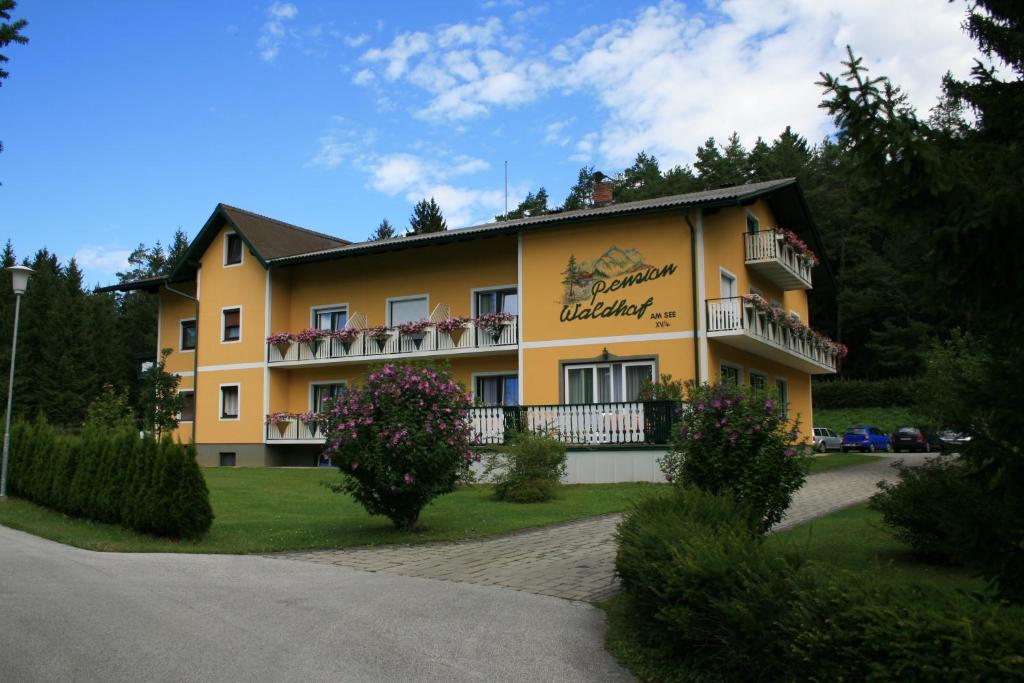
[[610, 466]]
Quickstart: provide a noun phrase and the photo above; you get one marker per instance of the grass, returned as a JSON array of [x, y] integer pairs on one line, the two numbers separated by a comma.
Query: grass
[[888, 418], [835, 461], [265, 510]]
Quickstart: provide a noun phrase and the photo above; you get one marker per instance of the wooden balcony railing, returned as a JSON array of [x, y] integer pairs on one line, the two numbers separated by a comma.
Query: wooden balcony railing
[[396, 344], [632, 423], [767, 253], [736, 317]]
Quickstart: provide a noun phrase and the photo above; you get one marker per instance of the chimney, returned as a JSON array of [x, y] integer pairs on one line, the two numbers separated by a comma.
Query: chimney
[[602, 190]]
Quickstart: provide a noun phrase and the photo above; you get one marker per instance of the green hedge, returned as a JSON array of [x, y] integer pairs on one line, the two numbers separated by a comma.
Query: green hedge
[[111, 475], [708, 601], [863, 393]]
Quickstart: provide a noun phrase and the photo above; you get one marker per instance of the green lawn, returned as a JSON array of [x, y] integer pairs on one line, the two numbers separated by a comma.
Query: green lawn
[[889, 418], [834, 461], [262, 510]]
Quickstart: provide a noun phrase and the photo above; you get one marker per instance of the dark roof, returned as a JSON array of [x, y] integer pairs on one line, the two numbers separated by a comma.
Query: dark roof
[[281, 244]]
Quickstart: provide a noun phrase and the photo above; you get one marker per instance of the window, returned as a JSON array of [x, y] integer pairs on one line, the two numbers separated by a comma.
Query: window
[[753, 225], [227, 459], [232, 324], [323, 392], [334, 318], [758, 382], [407, 310], [188, 408], [497, 301], [606, 382], [229, 402], [497, 390], [232, 249], [782, 386], [189, 335], [728, 287], [730, 375]]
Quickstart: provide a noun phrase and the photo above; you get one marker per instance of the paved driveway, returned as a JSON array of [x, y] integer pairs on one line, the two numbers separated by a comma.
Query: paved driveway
[[577, 560], [74, 615]]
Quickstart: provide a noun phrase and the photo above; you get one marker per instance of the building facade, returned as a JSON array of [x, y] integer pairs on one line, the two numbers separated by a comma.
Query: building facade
[[571, 309]]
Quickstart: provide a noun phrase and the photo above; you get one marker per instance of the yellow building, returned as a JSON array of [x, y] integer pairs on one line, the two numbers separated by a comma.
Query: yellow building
[[701, 286]]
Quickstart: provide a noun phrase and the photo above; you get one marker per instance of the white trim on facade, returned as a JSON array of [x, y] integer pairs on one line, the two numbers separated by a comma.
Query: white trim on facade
[[621, 339], [519, 318], [240, 321], [220, 402], [325, 308], [230, 366], [266, 333], [702, 324], [493, 288]]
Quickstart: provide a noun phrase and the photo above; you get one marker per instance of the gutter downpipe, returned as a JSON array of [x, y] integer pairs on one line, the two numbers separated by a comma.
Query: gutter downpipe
[[693, 285], [195, 359]]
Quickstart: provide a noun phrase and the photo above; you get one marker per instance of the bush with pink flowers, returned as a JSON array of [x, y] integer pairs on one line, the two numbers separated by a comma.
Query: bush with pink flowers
[[400, 439], [738, 442]]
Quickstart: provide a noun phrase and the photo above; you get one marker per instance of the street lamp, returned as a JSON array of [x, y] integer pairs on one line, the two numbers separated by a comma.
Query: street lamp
[[19, 282]]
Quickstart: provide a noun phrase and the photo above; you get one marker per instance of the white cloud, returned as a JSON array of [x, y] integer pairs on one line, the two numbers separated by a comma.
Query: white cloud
[[363, 77], [671, 75], [356, 41], [340, 144], [274, 30], [105, 260], [554, 133]]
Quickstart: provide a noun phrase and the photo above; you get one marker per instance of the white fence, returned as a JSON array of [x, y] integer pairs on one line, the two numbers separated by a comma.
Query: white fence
[[599, 423]]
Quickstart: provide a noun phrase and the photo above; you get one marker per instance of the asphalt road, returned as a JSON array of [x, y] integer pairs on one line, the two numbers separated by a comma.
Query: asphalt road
[[74, 615]]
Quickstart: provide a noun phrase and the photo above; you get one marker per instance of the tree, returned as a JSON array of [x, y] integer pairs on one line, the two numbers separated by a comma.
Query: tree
[[384, 231], [581, 195], [426, 218], [10, 32], [162, 403], [642, 180], [533, 205]]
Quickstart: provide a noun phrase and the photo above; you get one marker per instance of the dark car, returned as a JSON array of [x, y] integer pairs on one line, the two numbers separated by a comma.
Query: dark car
[[867, 439], [950, 440], [914, 439]]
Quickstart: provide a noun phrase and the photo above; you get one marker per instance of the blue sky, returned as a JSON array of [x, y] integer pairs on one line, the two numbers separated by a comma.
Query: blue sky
[[123, 121]]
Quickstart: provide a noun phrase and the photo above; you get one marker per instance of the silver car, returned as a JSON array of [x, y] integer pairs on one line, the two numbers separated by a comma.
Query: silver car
[[826, 440]]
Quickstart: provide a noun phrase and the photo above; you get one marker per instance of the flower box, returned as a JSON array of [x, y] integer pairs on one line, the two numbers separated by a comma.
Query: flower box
[[494, 324], [415, 330], [280, 420], [346, 336], [379, 334], [453, 327], [312, 337], [282, 341]]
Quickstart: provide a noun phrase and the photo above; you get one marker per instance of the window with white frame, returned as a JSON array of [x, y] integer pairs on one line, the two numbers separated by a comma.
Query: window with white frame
[[189, 335], [232, 324], [758, 381], [497, 301], [730, 374], [188, 406], [753, 225], [782, 387], [497, 390], [323, 391], [232, 249], [330, 317], [406, 310], [606, 382], [229, 402]]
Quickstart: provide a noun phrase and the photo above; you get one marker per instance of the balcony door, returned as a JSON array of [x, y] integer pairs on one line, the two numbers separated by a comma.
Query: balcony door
[[606, 382], [731, 308]]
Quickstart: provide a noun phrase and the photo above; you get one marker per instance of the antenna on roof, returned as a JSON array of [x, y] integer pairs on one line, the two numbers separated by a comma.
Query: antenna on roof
[[506, 189]]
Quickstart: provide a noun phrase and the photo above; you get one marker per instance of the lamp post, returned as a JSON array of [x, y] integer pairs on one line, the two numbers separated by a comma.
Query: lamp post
[[19, 281]]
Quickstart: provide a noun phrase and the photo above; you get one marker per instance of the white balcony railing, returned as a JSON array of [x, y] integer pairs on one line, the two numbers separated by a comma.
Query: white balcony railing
[[737, 322], [767, 253], [396, 344], [293, 430]]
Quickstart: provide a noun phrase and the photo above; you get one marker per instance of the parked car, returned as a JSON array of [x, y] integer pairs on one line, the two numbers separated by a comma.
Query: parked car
[[914, 439], [950, 440], [866, 439], [826, 440]]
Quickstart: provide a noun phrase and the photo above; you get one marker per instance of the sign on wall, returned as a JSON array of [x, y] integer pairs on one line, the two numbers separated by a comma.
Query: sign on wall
[[609, 286]]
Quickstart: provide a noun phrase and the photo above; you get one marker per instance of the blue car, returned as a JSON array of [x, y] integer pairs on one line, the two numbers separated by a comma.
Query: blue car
[[866, 439]]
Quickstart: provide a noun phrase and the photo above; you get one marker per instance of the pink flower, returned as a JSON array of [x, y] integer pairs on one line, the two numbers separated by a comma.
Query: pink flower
[[409, 479], [355, 466]]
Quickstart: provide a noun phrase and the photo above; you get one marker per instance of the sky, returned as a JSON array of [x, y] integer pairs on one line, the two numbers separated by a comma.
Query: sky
[[122, 121]]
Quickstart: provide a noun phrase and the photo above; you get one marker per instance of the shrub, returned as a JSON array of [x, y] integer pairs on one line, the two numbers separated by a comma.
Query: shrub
[[732, 441], [529, 469], [708, 600], [867, 393], [400, 439], [111, 474], [665, 389]]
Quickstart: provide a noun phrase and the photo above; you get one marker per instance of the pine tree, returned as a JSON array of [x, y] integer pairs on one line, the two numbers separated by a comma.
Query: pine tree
[[581, 195], [426, 218], [532, 205], [384, 231], [10, 32], [642, 180]]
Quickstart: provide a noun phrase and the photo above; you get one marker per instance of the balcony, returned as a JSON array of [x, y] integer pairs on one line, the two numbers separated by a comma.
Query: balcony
[[738, 322], [638, 423], [395, 346], [771, 256]]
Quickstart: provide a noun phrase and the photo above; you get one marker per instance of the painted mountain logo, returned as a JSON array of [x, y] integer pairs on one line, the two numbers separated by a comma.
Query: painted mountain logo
[[616, 269]]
